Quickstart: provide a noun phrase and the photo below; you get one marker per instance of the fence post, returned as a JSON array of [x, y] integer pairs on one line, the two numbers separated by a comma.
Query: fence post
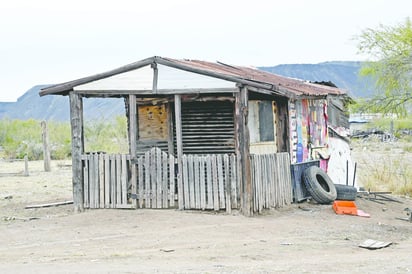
[[26, 166], [46, 151]]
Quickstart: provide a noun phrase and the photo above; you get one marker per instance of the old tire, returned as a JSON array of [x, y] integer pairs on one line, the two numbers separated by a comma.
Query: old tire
[[344, 192], [319, 185]]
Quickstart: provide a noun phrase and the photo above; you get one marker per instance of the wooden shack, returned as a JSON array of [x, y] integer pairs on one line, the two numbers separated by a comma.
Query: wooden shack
[[202, 135]]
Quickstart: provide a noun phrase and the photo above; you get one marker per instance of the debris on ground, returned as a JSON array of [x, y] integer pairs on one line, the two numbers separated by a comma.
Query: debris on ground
[[14, 218], [377, 196], [348, 208], [373, 244], [49, 204], [408, 213]]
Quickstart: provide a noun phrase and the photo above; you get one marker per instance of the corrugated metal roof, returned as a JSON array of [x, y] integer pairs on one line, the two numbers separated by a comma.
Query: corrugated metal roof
[[295, 86], [288, 87]]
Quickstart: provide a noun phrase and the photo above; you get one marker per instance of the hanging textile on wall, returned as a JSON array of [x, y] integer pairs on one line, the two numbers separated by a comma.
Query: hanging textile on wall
[[308, 129]]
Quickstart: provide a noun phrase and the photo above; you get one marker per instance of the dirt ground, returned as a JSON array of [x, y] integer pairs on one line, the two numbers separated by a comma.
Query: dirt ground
[[303, 238]]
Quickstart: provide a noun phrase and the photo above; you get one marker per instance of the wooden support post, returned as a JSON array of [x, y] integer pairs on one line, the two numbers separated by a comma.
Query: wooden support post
[[242, 151], [76, 119], [155, 76], [282, 126], [133, 142], [46, 150], [170, 139], [178, 123]]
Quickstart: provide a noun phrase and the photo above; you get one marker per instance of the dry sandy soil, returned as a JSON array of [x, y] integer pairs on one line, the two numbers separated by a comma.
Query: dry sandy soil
[[303, 238]]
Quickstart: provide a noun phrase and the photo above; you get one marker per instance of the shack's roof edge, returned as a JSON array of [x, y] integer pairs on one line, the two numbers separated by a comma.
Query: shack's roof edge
[[288, 87]]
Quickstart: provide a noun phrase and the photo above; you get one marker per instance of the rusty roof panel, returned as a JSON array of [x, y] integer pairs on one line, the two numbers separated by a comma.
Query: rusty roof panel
[[295, 86]]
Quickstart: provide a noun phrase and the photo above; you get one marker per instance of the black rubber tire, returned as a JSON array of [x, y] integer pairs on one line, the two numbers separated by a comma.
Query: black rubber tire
[[344, 192], [319, 185]]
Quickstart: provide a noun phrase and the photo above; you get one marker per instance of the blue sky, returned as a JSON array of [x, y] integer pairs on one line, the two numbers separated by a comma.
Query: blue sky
[[45, 41]]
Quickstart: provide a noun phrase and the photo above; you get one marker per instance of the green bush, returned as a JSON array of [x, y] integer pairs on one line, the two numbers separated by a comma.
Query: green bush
[[106, 136], [19, 138]]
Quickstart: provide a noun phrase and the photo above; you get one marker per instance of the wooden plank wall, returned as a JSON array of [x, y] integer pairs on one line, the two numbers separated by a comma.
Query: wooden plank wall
[[105, 181], [210, 182], [271, 181]]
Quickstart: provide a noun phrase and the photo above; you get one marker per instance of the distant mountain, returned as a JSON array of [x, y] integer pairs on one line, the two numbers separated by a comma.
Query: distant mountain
[[344, 74], [31, 105], [4, 107]]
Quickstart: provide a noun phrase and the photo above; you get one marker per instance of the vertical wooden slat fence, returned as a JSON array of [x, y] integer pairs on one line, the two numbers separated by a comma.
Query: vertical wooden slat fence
[[271, 181], [209, 182], [105, 180], [156, 180]]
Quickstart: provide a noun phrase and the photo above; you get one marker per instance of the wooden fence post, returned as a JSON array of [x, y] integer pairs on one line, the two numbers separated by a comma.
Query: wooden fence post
[[26, 166], [46, 151]]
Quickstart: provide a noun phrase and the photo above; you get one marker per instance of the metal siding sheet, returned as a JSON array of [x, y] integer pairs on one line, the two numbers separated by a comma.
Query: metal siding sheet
[[138, 79], [300, 192], [171, 78]]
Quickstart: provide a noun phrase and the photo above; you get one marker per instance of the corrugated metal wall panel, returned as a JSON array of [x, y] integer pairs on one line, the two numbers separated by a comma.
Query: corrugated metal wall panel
[[208, 127]]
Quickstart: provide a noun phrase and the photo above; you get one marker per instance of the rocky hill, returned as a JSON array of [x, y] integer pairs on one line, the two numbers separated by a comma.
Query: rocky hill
[[31, 105]]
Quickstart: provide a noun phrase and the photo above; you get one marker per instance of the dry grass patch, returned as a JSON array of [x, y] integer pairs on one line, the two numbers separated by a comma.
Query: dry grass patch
[[384, 166]]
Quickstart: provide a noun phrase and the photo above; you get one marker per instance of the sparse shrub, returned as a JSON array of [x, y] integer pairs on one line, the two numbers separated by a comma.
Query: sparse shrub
[[19, 138], [60, 140], [399, 125], [384, 169], [107, 136], [407, 138]]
